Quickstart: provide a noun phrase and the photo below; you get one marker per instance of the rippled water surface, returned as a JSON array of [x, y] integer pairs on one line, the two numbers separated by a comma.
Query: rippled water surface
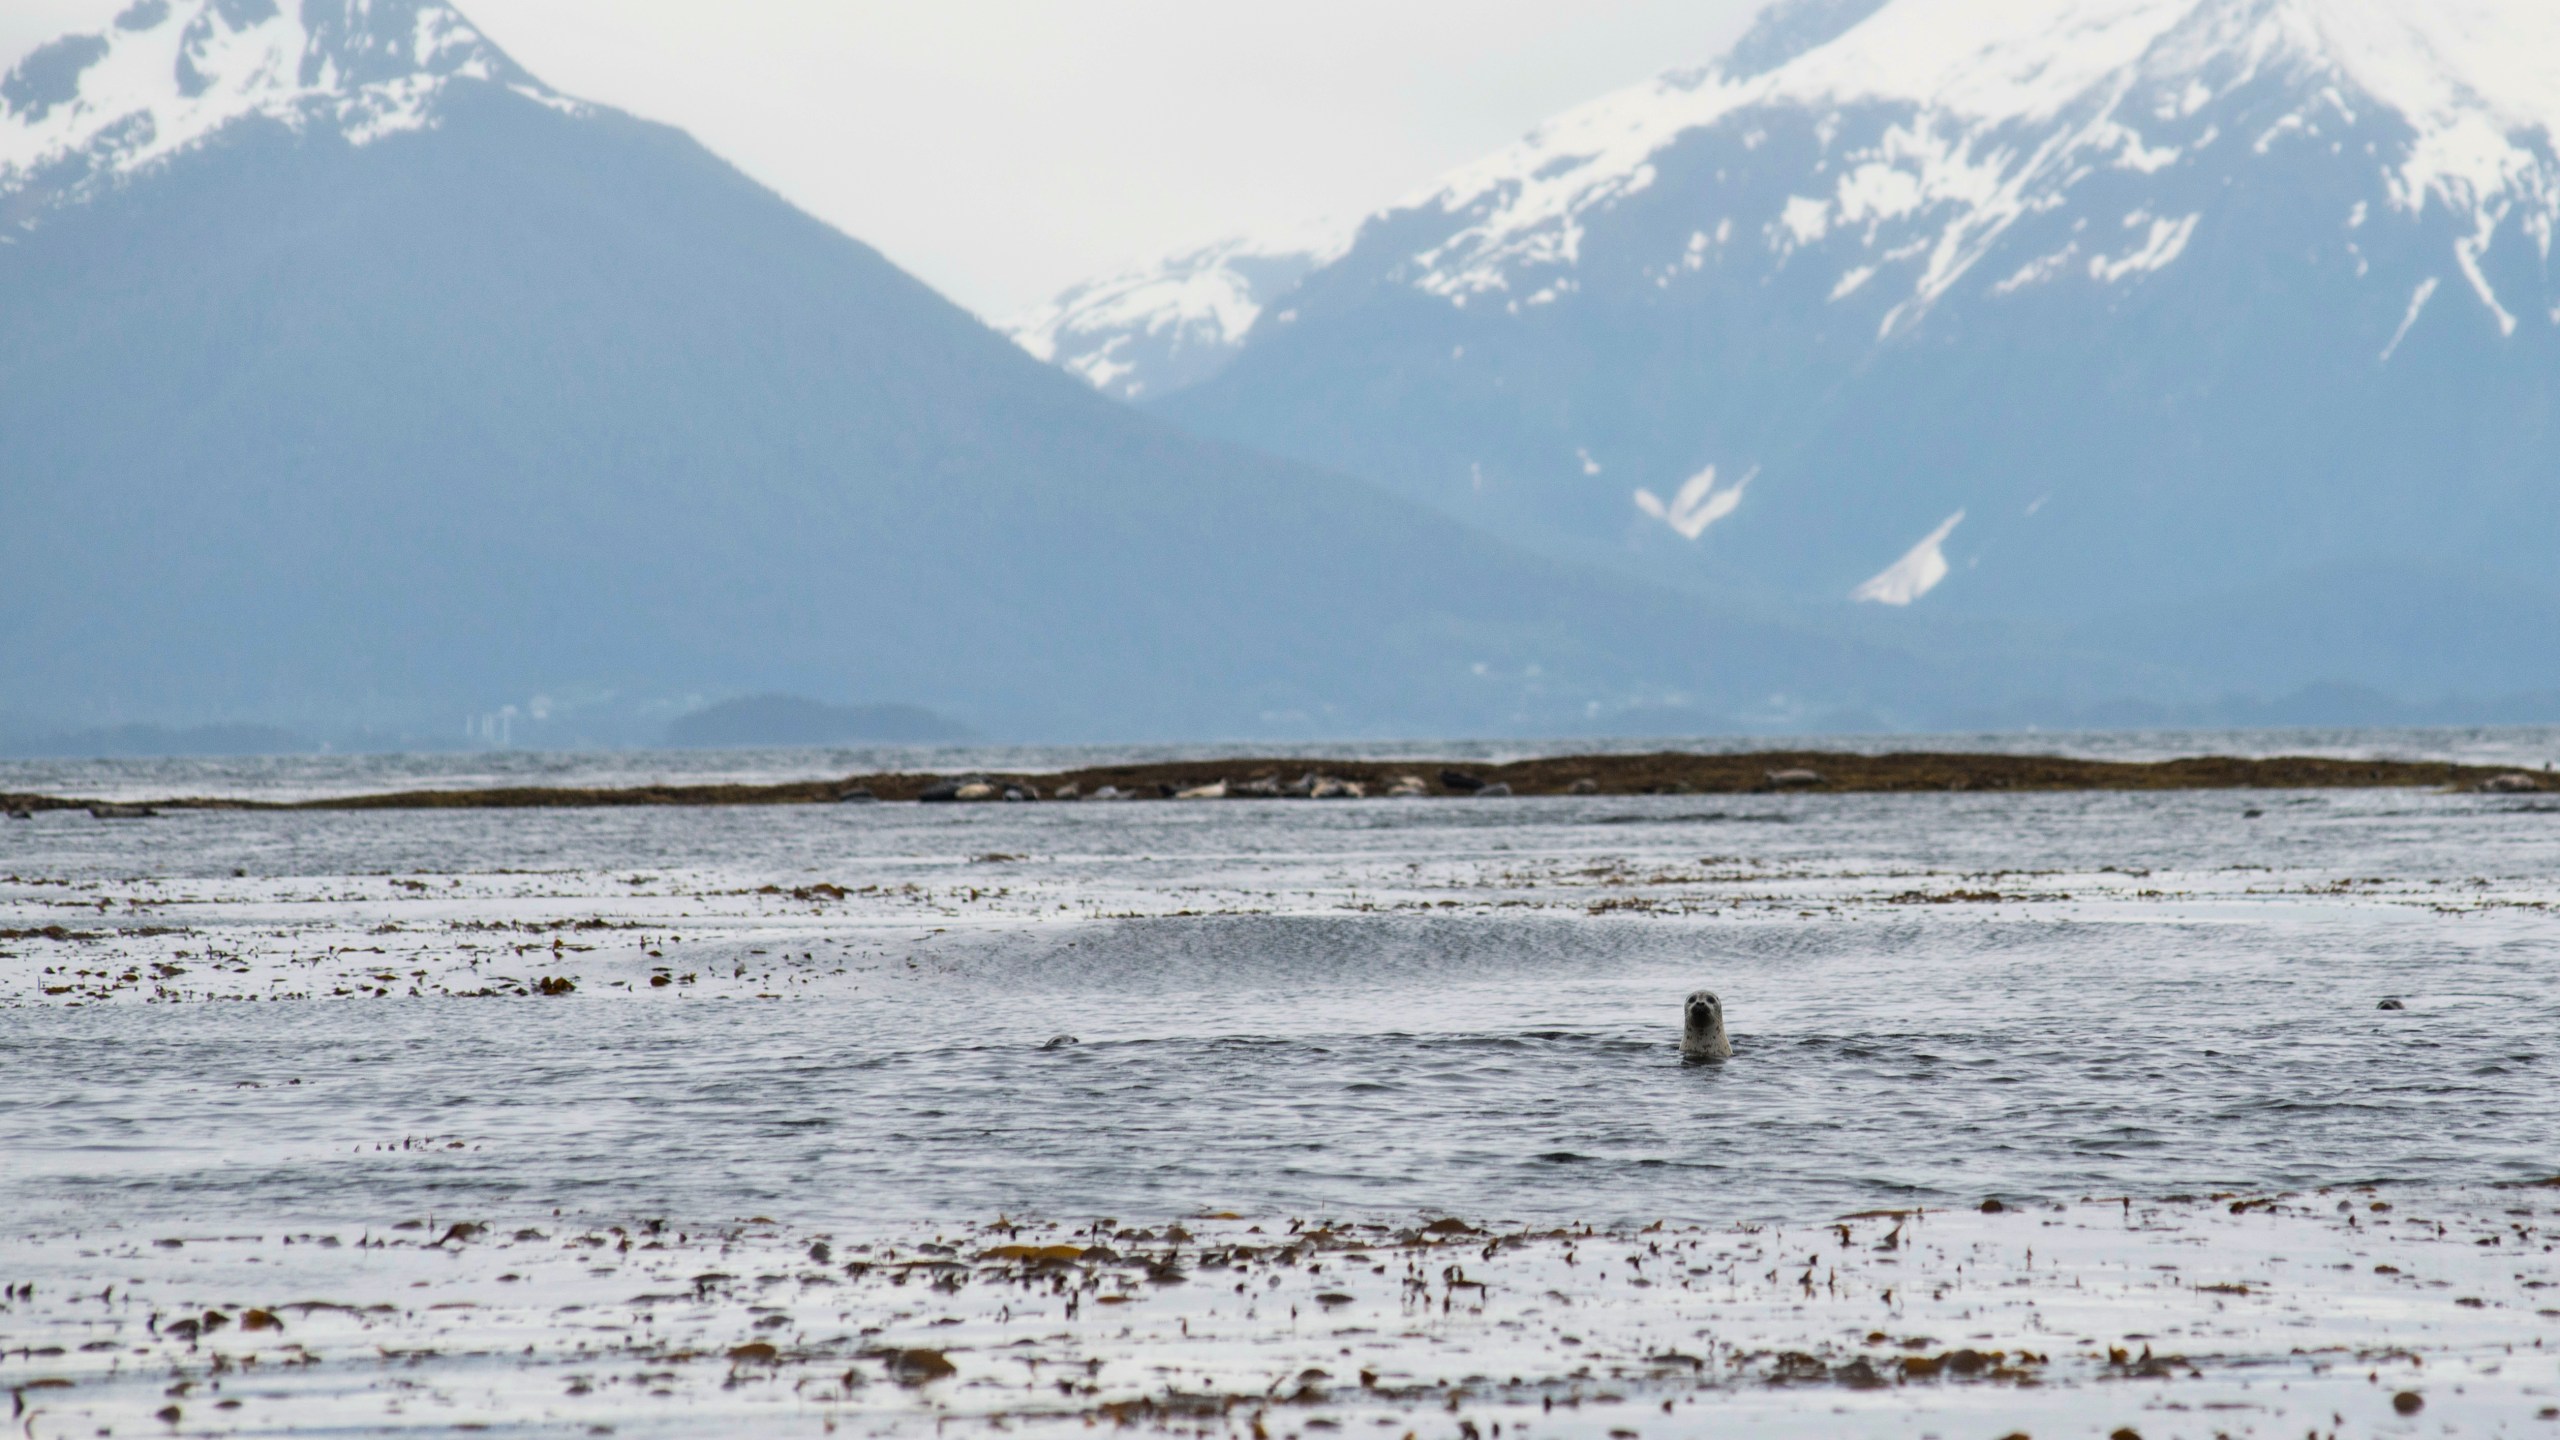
[[1353, 1008]]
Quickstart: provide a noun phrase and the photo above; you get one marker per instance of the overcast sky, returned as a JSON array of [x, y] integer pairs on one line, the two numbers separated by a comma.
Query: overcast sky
[[1003, 149]]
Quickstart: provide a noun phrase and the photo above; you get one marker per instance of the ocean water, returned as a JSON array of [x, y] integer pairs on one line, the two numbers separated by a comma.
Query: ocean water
[[2265, 1080], [1452, 1006]]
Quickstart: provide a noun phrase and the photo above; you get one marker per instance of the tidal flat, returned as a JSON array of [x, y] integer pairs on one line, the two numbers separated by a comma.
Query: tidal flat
[[1288, 1119], [2262, 1314]]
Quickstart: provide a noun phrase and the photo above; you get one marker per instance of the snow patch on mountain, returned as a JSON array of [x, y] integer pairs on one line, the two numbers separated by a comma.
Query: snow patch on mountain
[[166, 77], [1175, 321], [1916, 573], [1698, 504], [2417, 305], [2155, 251]]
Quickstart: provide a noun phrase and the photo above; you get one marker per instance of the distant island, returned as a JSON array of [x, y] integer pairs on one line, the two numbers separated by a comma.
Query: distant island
[[1301, 778]]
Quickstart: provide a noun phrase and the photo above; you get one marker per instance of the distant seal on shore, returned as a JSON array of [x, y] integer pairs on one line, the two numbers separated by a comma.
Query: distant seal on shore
[[1702, 1034]]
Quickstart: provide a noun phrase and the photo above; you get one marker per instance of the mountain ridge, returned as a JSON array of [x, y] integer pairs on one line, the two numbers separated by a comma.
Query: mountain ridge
[[91, 110], [2029, 312], [520, 401], [2474, 148]]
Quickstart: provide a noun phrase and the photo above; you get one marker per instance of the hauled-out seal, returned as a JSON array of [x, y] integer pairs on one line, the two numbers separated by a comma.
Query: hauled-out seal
[[1702, 1034]]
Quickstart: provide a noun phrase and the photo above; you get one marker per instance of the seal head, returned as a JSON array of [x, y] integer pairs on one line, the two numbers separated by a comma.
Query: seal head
[[1702, 1034]]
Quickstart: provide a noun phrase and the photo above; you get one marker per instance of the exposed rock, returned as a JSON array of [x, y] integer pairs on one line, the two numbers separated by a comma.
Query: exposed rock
[[917, 1367], [973, 788]]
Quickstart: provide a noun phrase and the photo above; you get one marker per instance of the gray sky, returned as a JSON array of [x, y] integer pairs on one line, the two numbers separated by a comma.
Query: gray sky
[[1003, 149]]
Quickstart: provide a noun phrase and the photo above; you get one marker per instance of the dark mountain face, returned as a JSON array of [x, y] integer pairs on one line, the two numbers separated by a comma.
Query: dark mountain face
[[325, 424]]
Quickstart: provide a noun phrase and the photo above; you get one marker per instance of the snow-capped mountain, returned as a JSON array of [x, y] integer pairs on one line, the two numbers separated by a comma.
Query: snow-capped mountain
[[350, 376], [1171, 323], [2006, 112], [166, 78], [2009, 107], [2037, 309]]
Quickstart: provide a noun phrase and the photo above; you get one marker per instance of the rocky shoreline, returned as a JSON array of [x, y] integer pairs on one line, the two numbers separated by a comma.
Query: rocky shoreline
[[1281, 778]]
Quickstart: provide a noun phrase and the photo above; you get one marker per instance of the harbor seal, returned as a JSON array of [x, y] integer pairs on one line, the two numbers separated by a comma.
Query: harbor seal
[[1702, 1034]]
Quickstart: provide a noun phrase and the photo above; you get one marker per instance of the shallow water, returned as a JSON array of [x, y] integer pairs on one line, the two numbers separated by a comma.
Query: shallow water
[[1461, 1006], [266, 1059]]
